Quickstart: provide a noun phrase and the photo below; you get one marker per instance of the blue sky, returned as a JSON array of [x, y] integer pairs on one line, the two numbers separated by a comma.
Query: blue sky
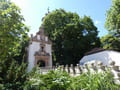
[[34, 10]]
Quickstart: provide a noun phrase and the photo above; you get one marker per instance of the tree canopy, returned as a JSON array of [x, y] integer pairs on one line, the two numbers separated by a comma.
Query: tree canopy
[[110, 42], [71, 35], [13, 39], [12, 29], [113, 17], [112, 24]]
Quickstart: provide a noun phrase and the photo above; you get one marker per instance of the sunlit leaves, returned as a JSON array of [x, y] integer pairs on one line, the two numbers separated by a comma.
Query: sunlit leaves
[[113, 17], [112, 24], [12, 28], [71, 35], [110, 42]]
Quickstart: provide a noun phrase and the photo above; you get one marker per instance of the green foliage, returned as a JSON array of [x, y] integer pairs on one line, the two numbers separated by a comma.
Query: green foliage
[[113, 17], [110, 42], [12, 29], [54, 80], [71, 35], [59, 80], [13, 39], [89, 81], [22, 54], [1, 87], [112, 24], [12, 75]]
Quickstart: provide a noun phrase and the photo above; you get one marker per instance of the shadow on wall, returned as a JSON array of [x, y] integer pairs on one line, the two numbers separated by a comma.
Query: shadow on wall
[[102, 56]]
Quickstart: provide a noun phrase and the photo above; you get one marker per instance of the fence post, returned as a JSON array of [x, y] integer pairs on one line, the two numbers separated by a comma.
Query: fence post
[[115, 71], [63, 68], [78, 70], [92, 68], [67, 68], [84, 68], [72, 69], [100, 67]]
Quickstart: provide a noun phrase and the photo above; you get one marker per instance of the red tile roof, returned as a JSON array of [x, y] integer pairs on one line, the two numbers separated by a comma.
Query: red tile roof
[[95, 50]]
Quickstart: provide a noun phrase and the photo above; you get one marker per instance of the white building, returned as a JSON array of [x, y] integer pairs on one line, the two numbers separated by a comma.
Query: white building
[[39, 50], [101, 55]]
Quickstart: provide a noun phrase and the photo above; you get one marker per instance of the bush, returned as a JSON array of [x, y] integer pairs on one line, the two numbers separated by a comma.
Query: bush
[[90, 81], [16, 78], [54, 80], [12, 75], [1, 87], [59, 80]]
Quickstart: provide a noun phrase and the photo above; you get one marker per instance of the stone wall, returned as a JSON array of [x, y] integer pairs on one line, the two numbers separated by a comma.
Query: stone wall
[[93, 68]]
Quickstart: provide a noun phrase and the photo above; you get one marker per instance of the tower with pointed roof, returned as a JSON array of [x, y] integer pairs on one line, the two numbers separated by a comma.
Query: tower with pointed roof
[[39, 51]]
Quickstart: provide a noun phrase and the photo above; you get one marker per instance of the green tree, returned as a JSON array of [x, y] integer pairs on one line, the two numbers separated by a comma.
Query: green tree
[[71, 35], [22, 54], [12, 29], [110, 42], [112, 24], [13, 38], [113, 17]]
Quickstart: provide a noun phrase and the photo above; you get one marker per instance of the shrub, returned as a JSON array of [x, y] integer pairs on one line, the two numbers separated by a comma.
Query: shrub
[[12, 75], [90, 81], [59, 80], [54, 80]]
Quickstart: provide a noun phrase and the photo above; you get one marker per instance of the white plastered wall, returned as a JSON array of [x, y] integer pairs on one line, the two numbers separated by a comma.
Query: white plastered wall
[[115, 56], [48, 50], [38, 37], [104, 56], [35, 46], [46, 38]]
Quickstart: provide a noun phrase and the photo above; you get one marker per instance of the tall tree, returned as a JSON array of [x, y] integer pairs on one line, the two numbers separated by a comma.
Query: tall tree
[[13, 35], [12, 29], [112, 24], [71, 35], [113, 18]]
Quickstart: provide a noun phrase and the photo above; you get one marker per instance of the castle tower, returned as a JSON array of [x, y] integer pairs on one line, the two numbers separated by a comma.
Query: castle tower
[[39, 51]]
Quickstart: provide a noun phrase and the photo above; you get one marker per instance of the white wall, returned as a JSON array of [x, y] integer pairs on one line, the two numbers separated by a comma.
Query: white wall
[[38, 37], [49, 50], [104, 56], [115, 56], [46, 38], [35, 46]]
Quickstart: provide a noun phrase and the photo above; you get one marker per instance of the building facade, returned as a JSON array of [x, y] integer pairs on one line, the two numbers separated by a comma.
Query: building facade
[[102, 55], [39, 50]]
